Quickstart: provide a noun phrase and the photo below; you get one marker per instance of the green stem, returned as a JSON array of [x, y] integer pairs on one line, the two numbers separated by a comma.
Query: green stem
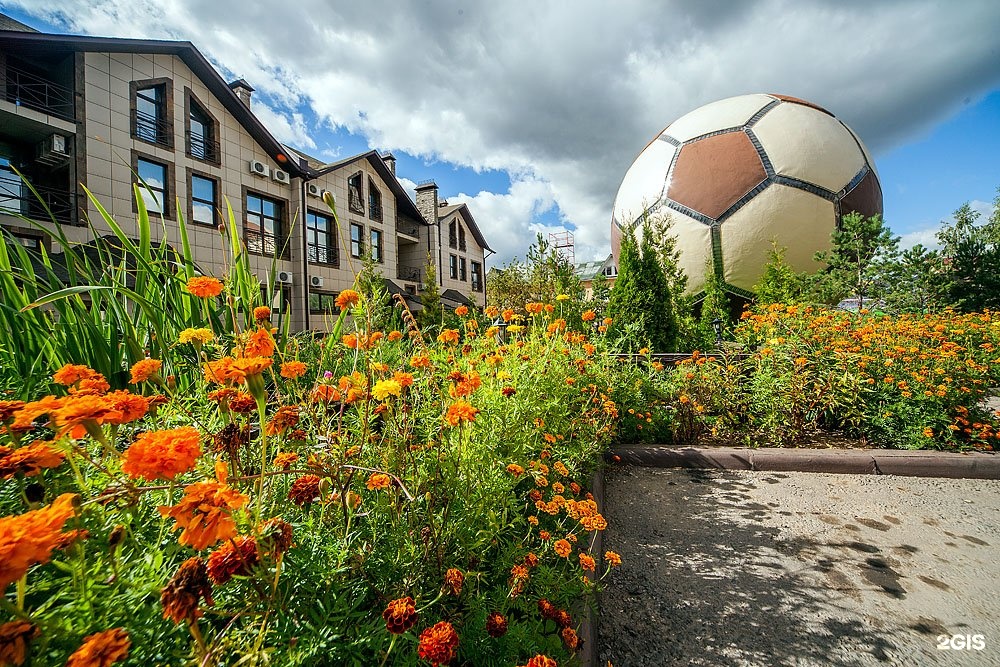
[[262, 416]]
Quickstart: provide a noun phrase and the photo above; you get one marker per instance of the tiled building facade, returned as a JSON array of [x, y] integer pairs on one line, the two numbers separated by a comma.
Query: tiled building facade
[[98, 112]]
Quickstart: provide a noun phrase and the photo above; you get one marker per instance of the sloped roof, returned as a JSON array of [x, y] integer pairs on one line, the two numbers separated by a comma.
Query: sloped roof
[[8, 23], [590, 270], [404, 204], [457, 297], [470, 222]]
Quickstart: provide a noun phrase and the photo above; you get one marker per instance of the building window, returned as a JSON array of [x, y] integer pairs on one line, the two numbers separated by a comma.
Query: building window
[[357, 240], [376, 240], [277, 302], [374, 201], [201, 130], [204, 199], [320, 240], [322, 303], [153, 185], [461, 269], [477, 277], [354, 201], [452, 235], [152, 119], [461, 238], [264, 222], [453, 267]]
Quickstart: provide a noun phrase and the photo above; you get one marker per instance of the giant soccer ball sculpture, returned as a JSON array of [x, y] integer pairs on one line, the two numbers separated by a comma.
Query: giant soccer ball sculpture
[[737, 174]]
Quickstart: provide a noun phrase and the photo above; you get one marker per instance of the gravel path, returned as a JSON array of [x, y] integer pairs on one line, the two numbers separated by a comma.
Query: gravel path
[[738, 568]]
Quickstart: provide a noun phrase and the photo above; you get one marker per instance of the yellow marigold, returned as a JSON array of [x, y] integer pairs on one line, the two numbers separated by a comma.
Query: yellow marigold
[[14, 638], [70, 374], [293, 369], [261, 313], [562, 297], [378, 480], [163, 454], [200, 336], [448, 336], [347, 299], [101, 649], [562, 548], [205, 513], [204, 287], [460, 411], [145, 370], [29, 538], [385, 388], [79, 412]]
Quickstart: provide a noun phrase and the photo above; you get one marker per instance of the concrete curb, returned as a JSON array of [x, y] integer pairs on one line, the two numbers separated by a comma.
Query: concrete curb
[[971, 465]]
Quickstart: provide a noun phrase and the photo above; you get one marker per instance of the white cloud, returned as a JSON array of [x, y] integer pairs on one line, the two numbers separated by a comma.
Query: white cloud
[[288, 128], [564, 96], [927, 235]]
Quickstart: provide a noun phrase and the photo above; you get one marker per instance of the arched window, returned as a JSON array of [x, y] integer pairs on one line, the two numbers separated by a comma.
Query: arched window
[[452, 235], [354, 201], [374, 201]]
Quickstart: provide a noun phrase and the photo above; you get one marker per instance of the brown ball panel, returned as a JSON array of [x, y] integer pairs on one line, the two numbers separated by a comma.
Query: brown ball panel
[[865, 198], [712, 174]]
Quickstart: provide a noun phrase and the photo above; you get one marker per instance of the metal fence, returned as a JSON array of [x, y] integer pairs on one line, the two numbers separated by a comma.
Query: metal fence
[[32, 91]]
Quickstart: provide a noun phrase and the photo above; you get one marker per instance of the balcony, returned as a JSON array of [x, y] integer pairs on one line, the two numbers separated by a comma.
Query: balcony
[[34, 92], [374, 210], [410, 274], [202, 148], [322, 254], [265, 243], [408, 228], [17, 199], [154, 129]]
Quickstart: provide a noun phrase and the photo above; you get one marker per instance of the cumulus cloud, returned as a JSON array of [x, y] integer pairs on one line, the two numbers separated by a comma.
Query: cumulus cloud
[[564, 95], [288, 128], [926, 235]]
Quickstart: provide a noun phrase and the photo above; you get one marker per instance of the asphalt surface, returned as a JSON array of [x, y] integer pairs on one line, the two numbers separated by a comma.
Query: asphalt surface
[[740, 568]]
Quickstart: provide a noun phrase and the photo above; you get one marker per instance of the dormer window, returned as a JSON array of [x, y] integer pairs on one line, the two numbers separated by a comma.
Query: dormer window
[[374, 201], [354, 201], [201, 130]]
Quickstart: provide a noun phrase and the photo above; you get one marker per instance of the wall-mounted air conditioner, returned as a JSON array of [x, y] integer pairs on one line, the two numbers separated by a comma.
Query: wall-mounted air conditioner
[[52, 150], [285, 277], [315, 281], [313, 190], [281, 176], [258, 168]]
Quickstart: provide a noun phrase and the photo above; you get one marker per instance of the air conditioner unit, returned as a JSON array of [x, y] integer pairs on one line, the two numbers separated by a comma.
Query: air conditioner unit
[[285, 277], [281, 176], [259, 168], [52, 150], [313, 190], [315, 281]]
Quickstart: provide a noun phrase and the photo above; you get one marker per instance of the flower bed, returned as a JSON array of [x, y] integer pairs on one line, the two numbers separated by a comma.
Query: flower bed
[[371, 499]]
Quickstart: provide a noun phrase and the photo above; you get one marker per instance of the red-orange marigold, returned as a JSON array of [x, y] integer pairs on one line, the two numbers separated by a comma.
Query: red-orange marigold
[[541, 660], [347, 299], [101, 649], [453, 580], [438, 643], [400, 615], [183, 593], [304, 490], [14, 638], [496, 624], [238, 556], [163, 454], [460, 411], [28, 460]]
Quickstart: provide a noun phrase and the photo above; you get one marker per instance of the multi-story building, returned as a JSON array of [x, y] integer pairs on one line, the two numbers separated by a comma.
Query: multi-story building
[[588, 271], [109, 113]]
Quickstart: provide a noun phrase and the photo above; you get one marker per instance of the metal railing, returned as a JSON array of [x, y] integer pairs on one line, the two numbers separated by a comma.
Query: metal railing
[[154, 129], [452, 240], [264, 243], [374, 210], [408, 228], [477, 284], [17, 199], [202, 148], [322, 254], [35, 92], [408, 273]]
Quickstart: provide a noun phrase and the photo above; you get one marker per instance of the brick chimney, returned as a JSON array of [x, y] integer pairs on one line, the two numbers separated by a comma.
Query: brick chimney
[[243, 90], [427, 201], [390, 161]]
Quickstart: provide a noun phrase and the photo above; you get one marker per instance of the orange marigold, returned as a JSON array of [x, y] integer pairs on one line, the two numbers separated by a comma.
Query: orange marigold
[[132, 406], [570, 639], [496, 624], [285, 418], [453, 580], [394, 336], [460, 411], [79, 412], [101, 649], [324, 393], [515, 470], [293, 369], [238, 556], [587, 562], [26, 415], [438, 643], [29, 538], [183, 593], [259, 344], [304, 490], [204, 287], [347, 299], [562, 548], [462, 311], [261, 313], [612, 558], [145, 369], [249, 366], [448, 336], [28, 461], [70, 374], [378, 480], [541, 660], [14, 638], [420, 361], [205, 512], [284, 460], [588, 316], [163, 454], [400, 615]]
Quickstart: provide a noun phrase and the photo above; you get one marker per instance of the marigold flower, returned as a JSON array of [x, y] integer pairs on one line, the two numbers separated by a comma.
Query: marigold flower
[[420, 361], [534, 308], [275, 537], [378, 480], [70, 374], [612, 558], [101, 649], [466, 384], [588, 316], [292, 369], [448, 336], [400, 615], [183, 593], [14, 638], [570, 639], [163, 454], [547, 609], [79, 412], [204, 287], [587, 562], [260, 343], [541, 660], [438, 643], [562, 548], [496, 624], [205, 512], [285, 418], [507, 314], [24, 416], [347, 299], [284, 460], [242, 403], [324, 393], [145, 370], [404, 379], [394, 336], [28, 461], [515, 470], [199, 336], [238, 556], [132, 406], [563, 619], [462, 311], [92, 386], [460, 411], [453, 580], [562, 297], [386, 388], [508, 392], [261, 313], [304, 490]]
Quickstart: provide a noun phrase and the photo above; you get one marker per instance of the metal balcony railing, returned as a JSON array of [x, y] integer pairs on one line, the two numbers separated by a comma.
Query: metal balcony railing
[[322, 254], [374, 210], [32, 91], [264, 243], [202, 148], [408, 228], [17, 199], [154, 129], [408, 273]]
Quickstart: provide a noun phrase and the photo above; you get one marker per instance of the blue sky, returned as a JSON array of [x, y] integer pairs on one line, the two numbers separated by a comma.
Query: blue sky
[[532, 112]]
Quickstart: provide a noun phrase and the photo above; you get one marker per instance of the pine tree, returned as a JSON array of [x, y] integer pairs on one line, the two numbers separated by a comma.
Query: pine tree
[[641, 303], [430, 315], [779, 283], [859, 264], [378, 301], [973, 253], [715, 305]]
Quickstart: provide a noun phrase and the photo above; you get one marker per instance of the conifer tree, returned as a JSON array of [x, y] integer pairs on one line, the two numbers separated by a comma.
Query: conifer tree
[[430, 315], [641, 302], [779, 283]]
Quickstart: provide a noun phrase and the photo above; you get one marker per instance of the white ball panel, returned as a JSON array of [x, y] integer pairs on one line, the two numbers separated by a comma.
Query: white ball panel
[[644, 182], [730, 112], [694, 240], [864, 149], [798, 220], [810, 145]]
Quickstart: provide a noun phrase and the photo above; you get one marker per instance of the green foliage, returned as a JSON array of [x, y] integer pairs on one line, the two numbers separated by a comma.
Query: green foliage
[[779, 283], [973, 252], [919, 282], [378, 301], [545, 275], [715, 304], [859, 264], [431, 314]]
